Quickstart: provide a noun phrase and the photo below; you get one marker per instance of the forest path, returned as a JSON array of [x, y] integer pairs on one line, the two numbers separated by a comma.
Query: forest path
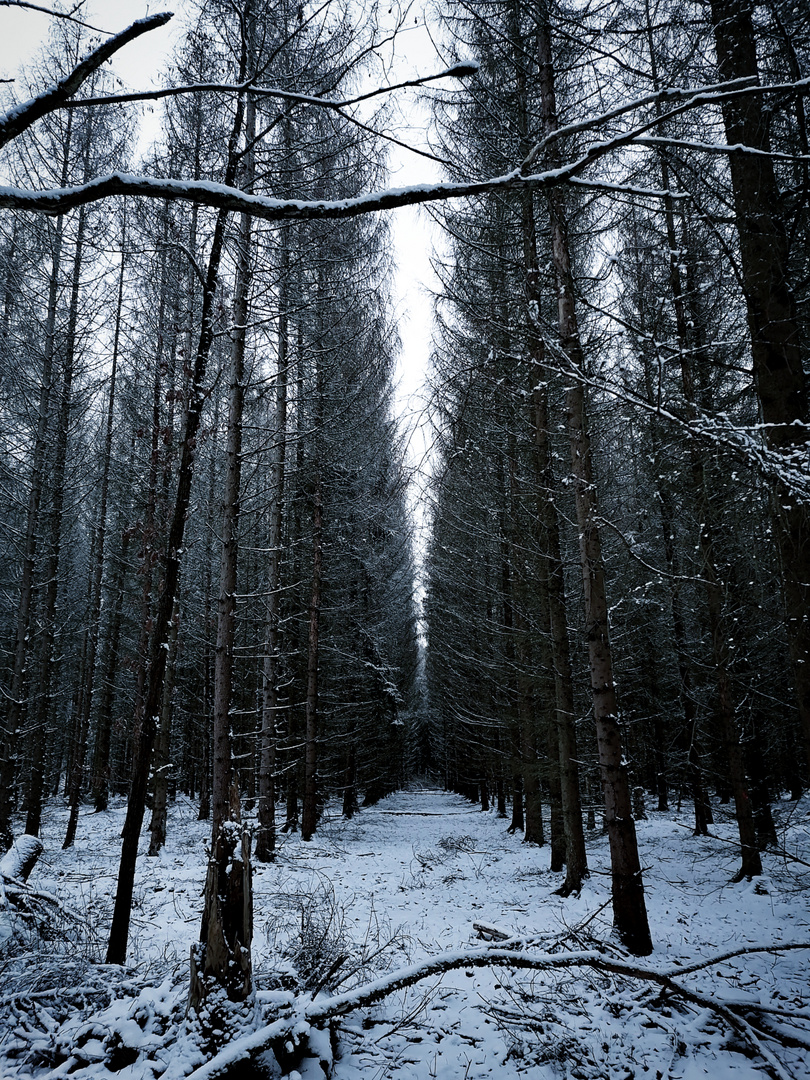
[[427, 863], [420, 868], [424, 866], [409, 878]]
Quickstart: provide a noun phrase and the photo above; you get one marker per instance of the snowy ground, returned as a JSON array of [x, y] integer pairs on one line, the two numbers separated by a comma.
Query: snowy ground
[[402, 882]]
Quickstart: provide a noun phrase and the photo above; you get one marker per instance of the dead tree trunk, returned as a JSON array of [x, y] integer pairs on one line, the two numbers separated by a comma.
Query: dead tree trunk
[[221, 962], [21, 858]]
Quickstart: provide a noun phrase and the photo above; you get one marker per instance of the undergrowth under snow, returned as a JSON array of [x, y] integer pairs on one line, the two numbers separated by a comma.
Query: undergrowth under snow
[[421, 874]]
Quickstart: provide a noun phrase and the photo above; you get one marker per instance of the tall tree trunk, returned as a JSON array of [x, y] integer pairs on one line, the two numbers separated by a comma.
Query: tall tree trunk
[[119, 930], [309, 809], [294, 734], [629, 909], [526, 695], [550, 569], [162, 758], [507, 627], [533, 825], [265, 833], [776, 339], [209, 647], [222, 960], [552, 580]]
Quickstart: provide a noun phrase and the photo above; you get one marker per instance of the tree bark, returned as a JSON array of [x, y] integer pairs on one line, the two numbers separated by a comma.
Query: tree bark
[[776, 340], [221, 960], [629, 909], [309, 808], [162, 762]]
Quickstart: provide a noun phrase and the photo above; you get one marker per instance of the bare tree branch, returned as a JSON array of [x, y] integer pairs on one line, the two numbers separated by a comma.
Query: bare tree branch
[[49, 11], [312, 1012], [688, 98], [16, 121], [458, 71]]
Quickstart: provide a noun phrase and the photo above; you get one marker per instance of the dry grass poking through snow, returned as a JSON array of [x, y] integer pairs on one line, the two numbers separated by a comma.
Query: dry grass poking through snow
[[526, 984]]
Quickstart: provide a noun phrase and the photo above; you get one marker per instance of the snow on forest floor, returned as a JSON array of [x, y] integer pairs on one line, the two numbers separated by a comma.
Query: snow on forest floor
[[401, 882]]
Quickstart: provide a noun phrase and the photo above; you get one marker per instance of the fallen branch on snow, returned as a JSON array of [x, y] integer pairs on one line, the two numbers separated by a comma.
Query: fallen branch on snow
[[289, 1032]]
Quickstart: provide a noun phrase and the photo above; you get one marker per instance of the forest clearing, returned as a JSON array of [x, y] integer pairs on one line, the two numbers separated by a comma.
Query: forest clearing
[[425, 874]]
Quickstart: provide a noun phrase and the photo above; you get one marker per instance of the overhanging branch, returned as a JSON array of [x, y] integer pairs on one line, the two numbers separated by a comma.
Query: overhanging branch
[[21, 117]]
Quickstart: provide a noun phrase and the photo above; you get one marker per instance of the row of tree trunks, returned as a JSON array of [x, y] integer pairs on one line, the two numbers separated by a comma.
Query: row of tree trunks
[[692, 354], [44, 704], [98, 564], [146, 724], [17, 688]]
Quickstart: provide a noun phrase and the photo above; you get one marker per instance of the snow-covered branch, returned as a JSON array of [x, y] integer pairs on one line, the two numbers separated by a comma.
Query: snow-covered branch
[[222, 197], [311, 1013], [22, 116]]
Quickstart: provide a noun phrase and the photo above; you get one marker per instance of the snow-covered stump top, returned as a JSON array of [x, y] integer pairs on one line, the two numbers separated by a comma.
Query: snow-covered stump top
[[21, 857]]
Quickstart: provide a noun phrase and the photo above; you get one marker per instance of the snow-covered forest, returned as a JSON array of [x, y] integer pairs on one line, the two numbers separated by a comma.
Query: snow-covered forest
[[289, 787]]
